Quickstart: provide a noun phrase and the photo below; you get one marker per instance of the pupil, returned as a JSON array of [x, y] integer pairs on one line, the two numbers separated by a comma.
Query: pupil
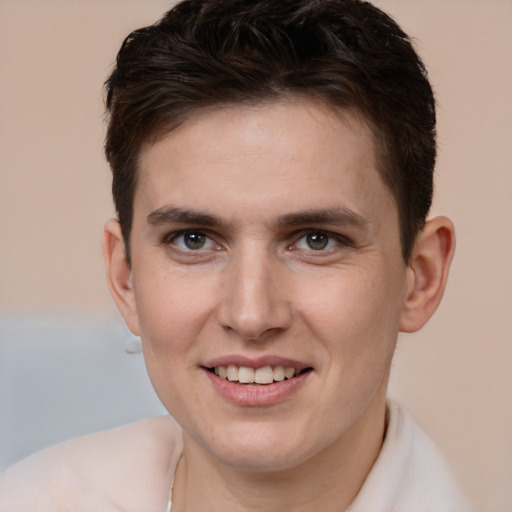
[[194, 240], [317, 241]]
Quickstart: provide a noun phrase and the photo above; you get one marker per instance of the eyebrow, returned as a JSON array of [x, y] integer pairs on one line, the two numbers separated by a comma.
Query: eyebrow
[[175, 215], [338, 216]]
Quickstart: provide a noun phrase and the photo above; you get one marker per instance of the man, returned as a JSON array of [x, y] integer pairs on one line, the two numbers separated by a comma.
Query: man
[[272, 173]]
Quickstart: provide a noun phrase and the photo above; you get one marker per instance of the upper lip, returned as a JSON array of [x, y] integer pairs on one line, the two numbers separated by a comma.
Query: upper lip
[[255, 362]]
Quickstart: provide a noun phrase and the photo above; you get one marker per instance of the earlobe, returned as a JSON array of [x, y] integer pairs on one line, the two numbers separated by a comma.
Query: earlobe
[[119, 276], [427, 273]]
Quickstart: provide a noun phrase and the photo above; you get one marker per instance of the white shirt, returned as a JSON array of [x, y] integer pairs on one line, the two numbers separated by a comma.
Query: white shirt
[[410, 474]]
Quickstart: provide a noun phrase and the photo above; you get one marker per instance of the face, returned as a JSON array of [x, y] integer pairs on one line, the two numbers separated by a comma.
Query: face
[[266, 246]]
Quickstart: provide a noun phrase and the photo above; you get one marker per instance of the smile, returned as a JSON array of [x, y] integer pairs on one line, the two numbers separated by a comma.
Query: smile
[[262, 382], [264, 375]]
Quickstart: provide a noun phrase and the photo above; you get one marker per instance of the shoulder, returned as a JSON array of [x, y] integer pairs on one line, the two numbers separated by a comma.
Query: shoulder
[[410, 473], [428, 479], [127, 468]]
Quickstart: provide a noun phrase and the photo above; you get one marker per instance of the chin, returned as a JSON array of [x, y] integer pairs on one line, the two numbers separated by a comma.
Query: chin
[[260, 448], [255, 460]]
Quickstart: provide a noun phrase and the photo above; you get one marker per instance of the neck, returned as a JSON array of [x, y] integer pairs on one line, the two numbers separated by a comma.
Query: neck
[[328, 481]]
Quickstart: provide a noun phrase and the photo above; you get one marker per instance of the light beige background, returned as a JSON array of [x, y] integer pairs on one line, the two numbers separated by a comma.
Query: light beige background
[[455, 375]]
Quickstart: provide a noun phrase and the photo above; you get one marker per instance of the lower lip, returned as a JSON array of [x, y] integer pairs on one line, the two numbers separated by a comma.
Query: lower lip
[[254, 395]]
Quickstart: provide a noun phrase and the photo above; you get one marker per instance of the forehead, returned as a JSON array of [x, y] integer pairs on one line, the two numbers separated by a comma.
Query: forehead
[[298, 153]]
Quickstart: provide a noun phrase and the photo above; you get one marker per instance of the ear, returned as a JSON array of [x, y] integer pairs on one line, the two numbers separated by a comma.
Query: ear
[[119, 274], [427, 273]]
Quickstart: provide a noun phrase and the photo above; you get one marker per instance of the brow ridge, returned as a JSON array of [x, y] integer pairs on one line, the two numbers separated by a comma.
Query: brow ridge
[[176, 215], [338, 216]]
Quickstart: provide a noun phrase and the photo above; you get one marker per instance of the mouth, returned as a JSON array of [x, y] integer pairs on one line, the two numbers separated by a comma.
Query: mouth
[[262, 376]]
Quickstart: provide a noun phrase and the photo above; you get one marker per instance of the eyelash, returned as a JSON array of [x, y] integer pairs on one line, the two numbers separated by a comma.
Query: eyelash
[[169, 240], [340, 240]]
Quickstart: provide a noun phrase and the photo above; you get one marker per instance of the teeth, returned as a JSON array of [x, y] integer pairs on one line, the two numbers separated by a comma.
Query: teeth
[[264, 375], [279, 373], [232, 373], [246, 375]]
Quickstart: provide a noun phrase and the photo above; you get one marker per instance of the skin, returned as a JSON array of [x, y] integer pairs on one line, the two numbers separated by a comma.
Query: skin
[[244, 181], [263, 284]]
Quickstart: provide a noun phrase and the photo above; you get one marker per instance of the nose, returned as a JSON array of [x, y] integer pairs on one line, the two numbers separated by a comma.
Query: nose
[[254, 303]]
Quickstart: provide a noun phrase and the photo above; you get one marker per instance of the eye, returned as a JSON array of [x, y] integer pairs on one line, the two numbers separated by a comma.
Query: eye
[[317, 241], [192, 241]]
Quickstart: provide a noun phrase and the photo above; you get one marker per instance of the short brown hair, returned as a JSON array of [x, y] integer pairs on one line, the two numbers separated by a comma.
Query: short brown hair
[[346, 53]]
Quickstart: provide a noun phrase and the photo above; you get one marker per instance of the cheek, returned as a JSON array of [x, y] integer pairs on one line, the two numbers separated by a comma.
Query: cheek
[[172, 312], [172, 315], [355, 312]]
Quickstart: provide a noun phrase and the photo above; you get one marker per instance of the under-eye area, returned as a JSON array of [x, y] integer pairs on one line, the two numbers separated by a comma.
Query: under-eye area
[[263, 375]]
